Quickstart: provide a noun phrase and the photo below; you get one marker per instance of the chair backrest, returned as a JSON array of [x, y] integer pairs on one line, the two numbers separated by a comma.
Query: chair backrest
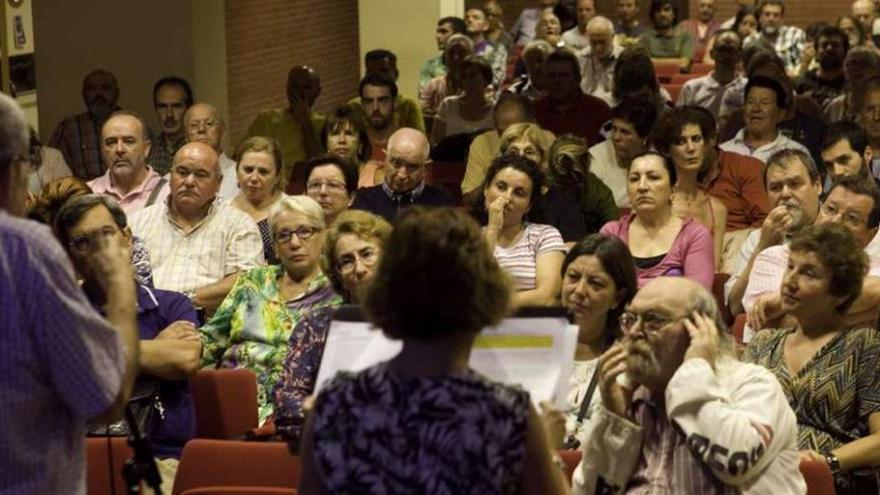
[[447, 175], [701, 69], [683, 78], [571, 458], [665, 70], [225, 402], [100, 453], [674, 90], [229, 463], [718, 291], [818, 476]]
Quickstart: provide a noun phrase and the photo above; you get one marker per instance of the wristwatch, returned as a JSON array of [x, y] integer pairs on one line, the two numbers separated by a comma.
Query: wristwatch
[[833, 462]]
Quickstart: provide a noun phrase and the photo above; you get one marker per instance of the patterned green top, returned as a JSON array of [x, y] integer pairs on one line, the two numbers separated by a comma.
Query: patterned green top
[[433, 67], [252, 326], [834, 393]]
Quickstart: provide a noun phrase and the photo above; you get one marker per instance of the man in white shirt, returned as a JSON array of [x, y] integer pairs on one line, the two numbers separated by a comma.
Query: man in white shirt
[[707, 91], [197, 244], [203, 123], [576, 38], [598, 60]]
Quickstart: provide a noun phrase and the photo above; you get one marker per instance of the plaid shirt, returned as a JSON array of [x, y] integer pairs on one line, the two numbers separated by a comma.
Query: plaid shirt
[[789, 45], [162, 152], [79, 139]]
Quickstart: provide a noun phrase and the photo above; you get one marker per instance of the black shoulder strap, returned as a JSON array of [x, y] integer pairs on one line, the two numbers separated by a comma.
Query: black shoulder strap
[[156, 190]]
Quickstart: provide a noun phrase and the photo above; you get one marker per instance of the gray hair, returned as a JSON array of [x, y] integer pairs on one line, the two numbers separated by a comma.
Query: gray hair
[[300, 204], [601, 21], [703, 302], [460, 38], [784, 158], [14, 133], [74, 209], [187, 114]]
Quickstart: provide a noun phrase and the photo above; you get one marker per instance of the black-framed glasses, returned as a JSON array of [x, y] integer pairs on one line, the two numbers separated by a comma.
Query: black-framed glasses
[[303, 233], [85, 242]]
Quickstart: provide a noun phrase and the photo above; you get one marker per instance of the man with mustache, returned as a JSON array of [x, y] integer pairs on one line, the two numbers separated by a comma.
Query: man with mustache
[[79, 136], [707, 91], [197, 244], [788, 41], [826, 82], [680, 413], [665, 42], [172, 95], [203, 123], [129, 180]]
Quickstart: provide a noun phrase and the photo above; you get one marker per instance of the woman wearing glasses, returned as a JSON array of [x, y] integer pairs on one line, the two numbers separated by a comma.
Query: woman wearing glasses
[[352, 249], [259, 180], [331, 180], [253, 324]]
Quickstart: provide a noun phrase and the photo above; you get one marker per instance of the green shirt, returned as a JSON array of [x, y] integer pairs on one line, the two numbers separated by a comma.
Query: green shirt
[[433, 67], [678, 44], [280, 125], [407, 112]]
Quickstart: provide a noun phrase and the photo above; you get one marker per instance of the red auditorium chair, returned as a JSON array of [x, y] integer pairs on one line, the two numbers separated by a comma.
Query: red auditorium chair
[[718, 291], [701, 69], [447, 175], [818, 477], [683, 78], [234, 465], [571, 458], [674, 90], [225, 402], [99, 455], [665, 70]]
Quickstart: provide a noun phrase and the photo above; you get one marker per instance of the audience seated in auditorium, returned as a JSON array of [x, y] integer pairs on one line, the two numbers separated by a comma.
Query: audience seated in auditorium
[[254, 322], [47, 164], [598, 282], [765, 106], [129, 180], [793, 188], [352, 249], [477, 26], [576, 201], [679, 135], [826, 82], [703, 28], [468, 434], [203, 123], [578, 38], [345, 135], [565, 109], [406, 111], [526, 24], [827, 368], [331, 180], [172, 95], [469, 111], [404, 184], [530, 252], [496, 32], [170, 345], [680, 412], [77, 136], [631, 124], [628, 28], [598, 60], [854, 203], [434, 67], [534, 57], [458, 48], [197, 244], [258, 177], [297, 126], [859, 65], [662, 244], [664, 41], [787, 41], [707, 91]]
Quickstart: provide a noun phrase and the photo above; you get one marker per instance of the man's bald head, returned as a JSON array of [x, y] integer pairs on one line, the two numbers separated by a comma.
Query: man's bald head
[[195, 178], [408, 153], [202, 123], [863, 11], [303, 85]]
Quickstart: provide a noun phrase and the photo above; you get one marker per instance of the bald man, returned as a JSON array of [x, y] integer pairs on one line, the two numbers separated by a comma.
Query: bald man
[[297, 128], [198, 244], [863, 11], [408, 155], [202, 123]]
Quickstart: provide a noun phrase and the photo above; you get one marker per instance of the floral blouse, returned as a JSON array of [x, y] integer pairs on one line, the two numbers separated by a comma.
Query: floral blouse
[[252, 326], [835, 392]]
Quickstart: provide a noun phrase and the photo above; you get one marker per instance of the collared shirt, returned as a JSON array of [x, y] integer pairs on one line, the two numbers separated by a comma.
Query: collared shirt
[[381, 200], [280, 125], [78, 137], [605, 164], [789, 45], [229, 185], [433, 67], [253, 324], [740, 186], [575, 39], [707, 92], [597, 78], [675, 44], [138, 197], [162, 151], [763, 152], [226, 241], [60, 363]]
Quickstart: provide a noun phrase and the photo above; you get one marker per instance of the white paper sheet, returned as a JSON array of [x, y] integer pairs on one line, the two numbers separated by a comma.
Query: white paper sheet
[[536, 353]]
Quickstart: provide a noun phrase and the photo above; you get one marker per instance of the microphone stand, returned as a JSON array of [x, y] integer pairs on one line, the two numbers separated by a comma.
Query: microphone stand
[[142, 466]]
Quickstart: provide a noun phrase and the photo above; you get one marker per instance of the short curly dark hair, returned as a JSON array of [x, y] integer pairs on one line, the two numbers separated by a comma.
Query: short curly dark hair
[[841, 253], [436, 277]]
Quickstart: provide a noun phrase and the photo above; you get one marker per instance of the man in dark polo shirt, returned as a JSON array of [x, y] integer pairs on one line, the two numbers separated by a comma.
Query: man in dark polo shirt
[[404, 184]]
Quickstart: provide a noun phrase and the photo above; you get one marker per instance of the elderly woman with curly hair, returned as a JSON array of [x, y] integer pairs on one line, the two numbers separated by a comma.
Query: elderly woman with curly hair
[[424, 422]]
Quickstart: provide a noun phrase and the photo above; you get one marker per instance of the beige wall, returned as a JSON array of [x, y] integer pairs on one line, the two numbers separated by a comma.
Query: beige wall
[[407, 29]]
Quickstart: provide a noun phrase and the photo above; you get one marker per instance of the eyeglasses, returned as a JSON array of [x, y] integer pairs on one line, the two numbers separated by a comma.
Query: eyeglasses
[[849, 217], [302, 233], [346, 264], [652, 322], [209, 124], [331, 185], [86, 242]]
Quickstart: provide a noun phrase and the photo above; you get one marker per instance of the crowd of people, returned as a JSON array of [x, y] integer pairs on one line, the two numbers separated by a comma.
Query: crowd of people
[[653, 217]]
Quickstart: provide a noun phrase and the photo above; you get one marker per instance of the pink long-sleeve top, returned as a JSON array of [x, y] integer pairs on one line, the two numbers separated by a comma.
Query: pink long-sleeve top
[[691, 254]]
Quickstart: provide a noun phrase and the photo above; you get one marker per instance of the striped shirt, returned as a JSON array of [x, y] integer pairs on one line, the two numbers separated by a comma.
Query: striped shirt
[[60, 363], [521, 259]]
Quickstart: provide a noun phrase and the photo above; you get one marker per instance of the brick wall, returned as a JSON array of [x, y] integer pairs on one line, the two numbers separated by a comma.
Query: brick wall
[[265, 38]]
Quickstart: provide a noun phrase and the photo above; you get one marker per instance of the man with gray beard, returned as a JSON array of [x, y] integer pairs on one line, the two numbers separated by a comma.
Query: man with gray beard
[[679, 413]]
